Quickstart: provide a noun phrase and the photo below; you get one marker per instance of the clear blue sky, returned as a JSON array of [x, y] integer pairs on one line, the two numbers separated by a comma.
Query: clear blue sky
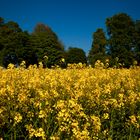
[[74, 21]]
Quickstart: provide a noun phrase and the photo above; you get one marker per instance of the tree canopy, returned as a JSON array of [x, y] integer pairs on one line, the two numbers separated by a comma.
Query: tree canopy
[[46, 43], [98, 50], [121, 43], [11, 43], [17, 45], [75, 55], [121, 32]]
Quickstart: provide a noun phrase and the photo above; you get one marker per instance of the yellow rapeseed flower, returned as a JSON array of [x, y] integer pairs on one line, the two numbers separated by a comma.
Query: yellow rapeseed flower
[[17, 118]]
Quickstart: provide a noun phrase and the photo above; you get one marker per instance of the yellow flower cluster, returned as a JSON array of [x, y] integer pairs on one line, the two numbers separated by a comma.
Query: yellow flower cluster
[[37, 133], [17, 118], [75, 103]]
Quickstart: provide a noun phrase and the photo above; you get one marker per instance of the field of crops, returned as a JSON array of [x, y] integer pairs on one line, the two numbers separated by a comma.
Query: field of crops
[[78, 103]]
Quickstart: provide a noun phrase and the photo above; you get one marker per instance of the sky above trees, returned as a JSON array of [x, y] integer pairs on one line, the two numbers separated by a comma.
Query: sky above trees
[[74, 21]]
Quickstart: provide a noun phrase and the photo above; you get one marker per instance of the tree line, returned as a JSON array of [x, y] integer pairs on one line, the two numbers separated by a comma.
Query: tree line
[[120, 45]]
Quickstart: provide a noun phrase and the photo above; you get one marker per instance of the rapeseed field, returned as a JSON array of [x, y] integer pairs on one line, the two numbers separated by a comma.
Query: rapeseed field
[[77, 103]]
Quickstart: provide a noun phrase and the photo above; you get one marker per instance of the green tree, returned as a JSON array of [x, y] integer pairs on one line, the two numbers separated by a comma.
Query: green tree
[[75, 55], [15, 45], [121, 30], [46, 43], [11, 43], [27, 52], [98, 49]]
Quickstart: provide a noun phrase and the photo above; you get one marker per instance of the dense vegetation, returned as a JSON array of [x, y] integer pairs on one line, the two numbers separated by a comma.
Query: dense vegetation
[[121, 44], [79, 102]]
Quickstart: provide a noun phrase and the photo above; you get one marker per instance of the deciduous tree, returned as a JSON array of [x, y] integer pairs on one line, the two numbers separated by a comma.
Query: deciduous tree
[[98, 49], [76, 55], [46, 43], [121, 29]]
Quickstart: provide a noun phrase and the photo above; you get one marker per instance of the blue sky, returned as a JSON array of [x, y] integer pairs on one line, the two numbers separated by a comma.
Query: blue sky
[[74, 21]]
